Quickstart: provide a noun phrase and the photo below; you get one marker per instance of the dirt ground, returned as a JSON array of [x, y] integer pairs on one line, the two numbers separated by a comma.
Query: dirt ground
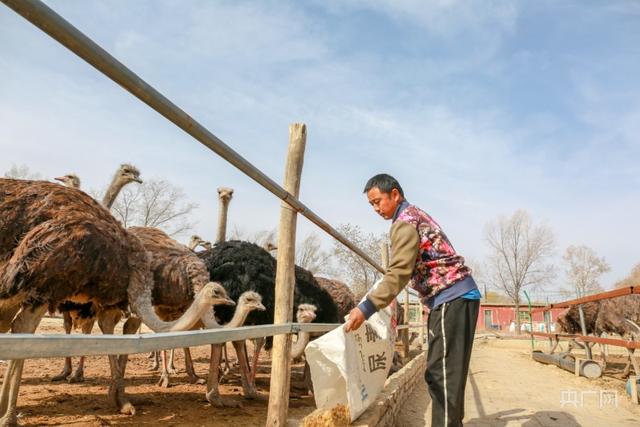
[[507, 388], [45, 403]]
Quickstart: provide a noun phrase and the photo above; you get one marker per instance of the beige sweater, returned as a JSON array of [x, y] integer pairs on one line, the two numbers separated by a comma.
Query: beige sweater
[[404, 250]]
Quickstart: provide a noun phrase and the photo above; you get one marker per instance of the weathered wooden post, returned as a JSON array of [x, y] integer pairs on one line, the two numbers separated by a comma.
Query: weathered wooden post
[[285, 280], [405, 336], [421, 317]]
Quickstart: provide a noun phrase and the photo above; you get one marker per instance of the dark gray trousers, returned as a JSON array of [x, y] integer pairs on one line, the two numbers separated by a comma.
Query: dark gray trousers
[[451, 328]]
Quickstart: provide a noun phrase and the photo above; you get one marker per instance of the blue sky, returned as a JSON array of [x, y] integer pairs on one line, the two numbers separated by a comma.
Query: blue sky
[[478, 108]]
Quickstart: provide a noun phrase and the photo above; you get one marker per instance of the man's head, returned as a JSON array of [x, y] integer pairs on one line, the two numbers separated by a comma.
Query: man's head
[[384, 194]]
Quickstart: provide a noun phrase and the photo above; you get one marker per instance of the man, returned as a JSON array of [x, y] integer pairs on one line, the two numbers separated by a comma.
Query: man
[[422, 255]]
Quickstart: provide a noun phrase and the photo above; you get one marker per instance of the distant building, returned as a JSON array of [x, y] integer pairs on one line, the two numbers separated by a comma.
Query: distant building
[[499, 317]]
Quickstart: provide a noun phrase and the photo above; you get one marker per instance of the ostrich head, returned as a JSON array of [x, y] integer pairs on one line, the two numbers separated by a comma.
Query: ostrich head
[[71, 180], [127, 173], [306, 313], [225, 194], [216, 294], [195, 241], [270, 247], [251, 301]]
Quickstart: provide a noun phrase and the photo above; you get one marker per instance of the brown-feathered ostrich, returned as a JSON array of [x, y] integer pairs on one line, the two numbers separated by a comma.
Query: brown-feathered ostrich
[[242, 266], [82, 316], [57, 244], [340, 293], [621, 316], [611, 316]]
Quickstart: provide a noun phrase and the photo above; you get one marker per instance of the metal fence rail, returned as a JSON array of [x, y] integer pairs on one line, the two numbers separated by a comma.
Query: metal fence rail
[[591, 298], [35, 346]]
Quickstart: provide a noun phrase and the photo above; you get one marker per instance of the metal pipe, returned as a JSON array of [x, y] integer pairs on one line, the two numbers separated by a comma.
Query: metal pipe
[[73, 39], [583, 326], [588, 368]]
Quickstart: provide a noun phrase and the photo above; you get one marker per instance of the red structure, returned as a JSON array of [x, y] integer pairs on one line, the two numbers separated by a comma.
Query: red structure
[[498, 317]]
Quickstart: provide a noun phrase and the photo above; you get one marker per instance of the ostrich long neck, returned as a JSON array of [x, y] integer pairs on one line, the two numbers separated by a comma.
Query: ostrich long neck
[[239, 317], [223, 208], [298, 348], [197, 310], [112, 192]]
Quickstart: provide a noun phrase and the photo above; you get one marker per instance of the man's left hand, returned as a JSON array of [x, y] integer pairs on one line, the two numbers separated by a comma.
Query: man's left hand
[[355, 320]]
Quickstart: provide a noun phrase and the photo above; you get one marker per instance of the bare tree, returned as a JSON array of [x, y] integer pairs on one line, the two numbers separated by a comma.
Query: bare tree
[[155, 203], [356, 271], [310, 256], [21, 172], [519, 255], [584, 269], [633, 279]]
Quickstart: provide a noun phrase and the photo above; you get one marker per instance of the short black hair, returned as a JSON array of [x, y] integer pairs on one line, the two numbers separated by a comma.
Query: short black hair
[[385, 183]]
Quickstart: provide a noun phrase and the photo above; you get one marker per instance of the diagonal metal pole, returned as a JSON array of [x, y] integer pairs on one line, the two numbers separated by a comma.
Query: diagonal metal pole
[[73, 39]]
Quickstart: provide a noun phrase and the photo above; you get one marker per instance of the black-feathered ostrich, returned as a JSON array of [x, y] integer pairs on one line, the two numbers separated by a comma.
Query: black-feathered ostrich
[[241, 266]]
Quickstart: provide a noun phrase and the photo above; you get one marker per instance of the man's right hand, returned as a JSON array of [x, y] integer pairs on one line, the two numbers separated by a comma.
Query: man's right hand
[[355, 320]]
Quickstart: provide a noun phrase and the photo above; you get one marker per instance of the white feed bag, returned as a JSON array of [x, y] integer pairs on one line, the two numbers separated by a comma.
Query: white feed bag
[[351, 369]]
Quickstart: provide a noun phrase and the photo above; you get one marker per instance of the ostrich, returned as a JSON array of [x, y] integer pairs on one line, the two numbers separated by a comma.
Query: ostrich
[[242, 266], [613, 316], [82, 316], [57, 244], [306, 314], [248, 302], [70, 180], [340, 293], [224, 198], [621, 316], [196, 241]]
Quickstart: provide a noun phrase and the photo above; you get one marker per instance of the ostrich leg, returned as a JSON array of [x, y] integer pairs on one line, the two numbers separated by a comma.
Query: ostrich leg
[[188, 364], [248, 381], [155, 355], [26, 322], [164, 380], [66, 371], [78, 375], [130, 327], [107, 322], [257, 347], [171, 368], [213, 394]]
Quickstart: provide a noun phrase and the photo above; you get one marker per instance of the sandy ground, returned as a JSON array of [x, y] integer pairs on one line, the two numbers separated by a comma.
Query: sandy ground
[[507, 388], [42, 402]]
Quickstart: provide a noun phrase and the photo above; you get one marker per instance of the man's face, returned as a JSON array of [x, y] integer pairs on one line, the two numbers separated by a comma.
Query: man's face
[[385, 204]]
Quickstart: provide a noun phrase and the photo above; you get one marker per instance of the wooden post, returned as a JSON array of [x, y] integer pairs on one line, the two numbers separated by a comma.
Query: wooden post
[[421, 325], [285, 281], [405, 336]]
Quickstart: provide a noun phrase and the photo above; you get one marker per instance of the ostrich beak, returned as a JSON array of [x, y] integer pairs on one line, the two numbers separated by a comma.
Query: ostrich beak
[[229, 302], [261, 307], [138, 180], [61, 179]]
